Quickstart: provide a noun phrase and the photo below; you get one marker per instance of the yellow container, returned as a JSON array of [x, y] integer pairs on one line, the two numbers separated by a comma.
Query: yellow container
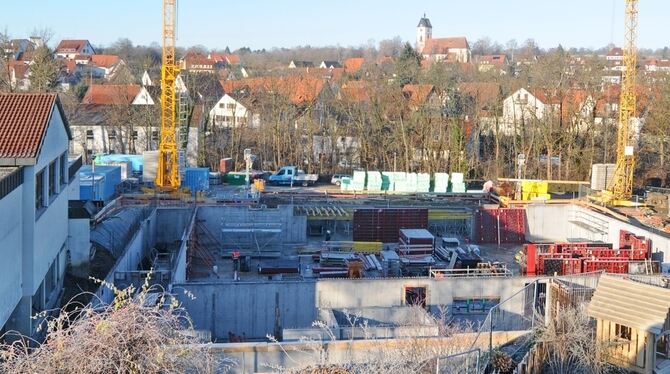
[[259, 184], [541, 187]]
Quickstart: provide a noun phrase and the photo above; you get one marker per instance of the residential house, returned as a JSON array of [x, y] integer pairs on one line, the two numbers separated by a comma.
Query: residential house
[[330, 65], [99, 129], [106, 66], [198, 63], [68, 49], [19, 73], [300, 64], [632, 322], [498, 63], [16, 47], [524, 107], [353, 65], [234, 111], [422, 96], [146, 79], [35, 183], [614, 59], [225, 59], [484, 101], [656, 64], [355, 92]]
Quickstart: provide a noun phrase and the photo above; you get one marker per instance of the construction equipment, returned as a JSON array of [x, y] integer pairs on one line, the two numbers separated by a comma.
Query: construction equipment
[[167, 173], [620, 190]]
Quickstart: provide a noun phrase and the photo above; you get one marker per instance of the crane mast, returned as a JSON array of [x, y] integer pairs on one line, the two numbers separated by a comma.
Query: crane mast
[[167, 174], [621, 188]]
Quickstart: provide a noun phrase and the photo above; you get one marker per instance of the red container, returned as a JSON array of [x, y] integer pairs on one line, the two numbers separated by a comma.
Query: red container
[[226, 165]]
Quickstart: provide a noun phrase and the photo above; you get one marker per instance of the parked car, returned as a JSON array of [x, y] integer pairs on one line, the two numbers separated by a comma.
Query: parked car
[[291, 175], [337, 178]]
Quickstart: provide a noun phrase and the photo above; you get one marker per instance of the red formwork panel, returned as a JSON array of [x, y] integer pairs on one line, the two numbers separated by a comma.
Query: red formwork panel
[[504, 225], [618, 266], [384, 224]]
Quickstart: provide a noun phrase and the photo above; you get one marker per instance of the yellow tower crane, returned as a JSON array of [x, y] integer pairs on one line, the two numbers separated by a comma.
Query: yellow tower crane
[[167, 174], [620, 190]]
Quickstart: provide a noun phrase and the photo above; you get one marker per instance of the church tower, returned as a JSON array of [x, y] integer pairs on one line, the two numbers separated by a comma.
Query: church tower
[[423, 32]]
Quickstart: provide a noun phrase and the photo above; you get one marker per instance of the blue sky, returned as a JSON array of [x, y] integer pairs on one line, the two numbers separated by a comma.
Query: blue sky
[[287, 23]]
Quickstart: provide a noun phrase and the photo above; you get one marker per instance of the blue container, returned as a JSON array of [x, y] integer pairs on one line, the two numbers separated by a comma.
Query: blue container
[[111, 177], [196, 179], [136, 161]]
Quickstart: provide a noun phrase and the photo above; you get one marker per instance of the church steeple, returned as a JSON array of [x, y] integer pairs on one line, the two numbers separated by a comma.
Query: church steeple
[[424, 31]]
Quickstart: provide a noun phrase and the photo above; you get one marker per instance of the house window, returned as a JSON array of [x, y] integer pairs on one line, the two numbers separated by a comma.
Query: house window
[[39, 190], [134, 135], [154, 135], [52, 179], [231, 106], [218, 118], [112, 135], [222, 105], [415, 296], [623, 332], [63, 168], [89, 134]]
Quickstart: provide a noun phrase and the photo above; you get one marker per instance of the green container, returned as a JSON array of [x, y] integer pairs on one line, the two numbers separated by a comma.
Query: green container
[[237, 179]]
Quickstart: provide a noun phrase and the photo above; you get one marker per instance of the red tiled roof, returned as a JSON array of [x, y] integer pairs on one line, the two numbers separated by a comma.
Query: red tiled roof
[[229, 58], [353, 64], [111, 94], [418, 93], [298, 89], [496, 60], [616, 51], [24, 118], [384, 60], [485, 93], [20, 68], [355, 91], [105, 61], [441, 46], [69, 46]]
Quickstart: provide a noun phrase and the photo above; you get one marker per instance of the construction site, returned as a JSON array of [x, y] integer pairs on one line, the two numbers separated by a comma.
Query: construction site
[[287, 271]]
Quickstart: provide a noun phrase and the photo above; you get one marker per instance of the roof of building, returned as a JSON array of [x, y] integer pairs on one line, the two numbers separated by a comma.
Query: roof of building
[[497, 60], [331, 63], [20, 68], [630, 303], [302, 64], [299, 89], [105, 61], [353, 64], [355, 91], [424, 22], [71, 45], [111, 94], [616, 51], [441, 46], [484, 93], [24, 118], [418, 94], [229, 58]]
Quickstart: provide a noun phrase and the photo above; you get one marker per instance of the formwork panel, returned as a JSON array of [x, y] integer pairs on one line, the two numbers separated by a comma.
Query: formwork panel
[[383, 225]]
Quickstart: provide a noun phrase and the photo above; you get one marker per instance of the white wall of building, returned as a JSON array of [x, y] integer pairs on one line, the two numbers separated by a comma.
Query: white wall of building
[[228, 112], [11, 244]]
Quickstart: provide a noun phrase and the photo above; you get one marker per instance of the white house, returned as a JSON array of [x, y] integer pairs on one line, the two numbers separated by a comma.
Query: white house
[[231, 112], [35, 175], [68, 49], [146, 79], [524, 107]]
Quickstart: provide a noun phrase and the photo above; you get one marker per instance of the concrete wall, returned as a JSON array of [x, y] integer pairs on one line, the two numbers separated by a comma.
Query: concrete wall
[[247, 308], [10, 251], [179, 271], [574, 222], [138, 247], [79, 244], [294, 228], [172, 222]]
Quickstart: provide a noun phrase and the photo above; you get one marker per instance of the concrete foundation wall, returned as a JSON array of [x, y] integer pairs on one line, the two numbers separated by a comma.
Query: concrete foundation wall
[[138, 247], [294, 228], [249, 307], [172, 222], [79, 244]]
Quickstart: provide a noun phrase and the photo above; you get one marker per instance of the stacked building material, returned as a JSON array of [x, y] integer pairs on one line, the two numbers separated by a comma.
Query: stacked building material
[[388, 181], [358, 181], [383, 225], [574, 258], [410, 182], [400, 181], [500, 225], [601, 176], [375, 181], [535, 190], [345, 184], [416, 242], [441, 182], [457, 183], [423, 182], [149, 166]]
